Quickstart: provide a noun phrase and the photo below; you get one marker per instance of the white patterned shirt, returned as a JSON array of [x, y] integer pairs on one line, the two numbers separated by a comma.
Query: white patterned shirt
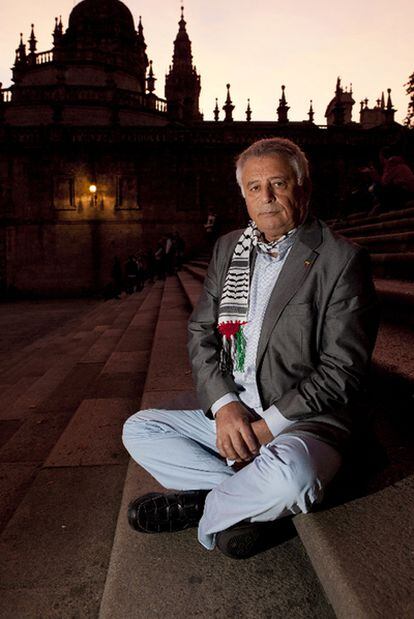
[[265, 275]]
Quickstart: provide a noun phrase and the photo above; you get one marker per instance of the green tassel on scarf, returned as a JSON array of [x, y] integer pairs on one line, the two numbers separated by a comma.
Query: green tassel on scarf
[[240, 350]]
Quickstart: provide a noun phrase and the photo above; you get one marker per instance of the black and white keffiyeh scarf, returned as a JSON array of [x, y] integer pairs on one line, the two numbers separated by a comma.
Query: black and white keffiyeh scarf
[[234, 302]]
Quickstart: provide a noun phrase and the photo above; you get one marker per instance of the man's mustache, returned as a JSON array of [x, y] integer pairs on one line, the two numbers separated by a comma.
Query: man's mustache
[[276, 207]]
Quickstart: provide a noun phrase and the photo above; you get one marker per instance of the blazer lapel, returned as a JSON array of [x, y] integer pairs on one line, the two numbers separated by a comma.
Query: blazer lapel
[[298, 265]]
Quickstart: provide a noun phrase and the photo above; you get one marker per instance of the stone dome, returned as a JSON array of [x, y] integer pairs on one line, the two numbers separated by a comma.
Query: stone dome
[[108, 18]]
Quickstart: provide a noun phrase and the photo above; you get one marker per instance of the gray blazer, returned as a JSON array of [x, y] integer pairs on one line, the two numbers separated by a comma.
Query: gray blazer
[[317, 336]]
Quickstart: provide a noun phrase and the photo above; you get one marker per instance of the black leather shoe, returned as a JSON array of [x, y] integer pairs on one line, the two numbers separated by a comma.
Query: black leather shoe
[[246, 539], [165, 513]]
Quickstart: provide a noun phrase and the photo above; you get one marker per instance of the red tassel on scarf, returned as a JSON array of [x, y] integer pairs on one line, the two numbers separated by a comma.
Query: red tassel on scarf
[[229, 328]]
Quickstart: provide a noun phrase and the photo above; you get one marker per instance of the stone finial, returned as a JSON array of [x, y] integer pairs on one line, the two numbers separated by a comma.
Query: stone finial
[[216, 111], [311, 113], [140, 27], [389, 112], [282, 110], [228, 107], [338, 88], [32, 41], [248, 111], [389, 102]]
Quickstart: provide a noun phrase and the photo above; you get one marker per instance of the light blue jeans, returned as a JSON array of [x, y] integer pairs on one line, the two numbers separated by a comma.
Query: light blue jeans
[[178, 448]]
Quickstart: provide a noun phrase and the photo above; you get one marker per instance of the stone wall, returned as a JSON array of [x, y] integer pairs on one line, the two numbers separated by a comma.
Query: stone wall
[[59, 239]]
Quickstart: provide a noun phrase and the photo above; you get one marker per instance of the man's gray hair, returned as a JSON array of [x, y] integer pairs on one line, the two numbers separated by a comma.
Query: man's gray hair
[[276, 146]]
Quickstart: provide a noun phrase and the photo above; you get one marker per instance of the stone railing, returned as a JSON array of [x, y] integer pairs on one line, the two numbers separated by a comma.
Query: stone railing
[[5, 95], [44, 57], [161, 105], [82, 94]]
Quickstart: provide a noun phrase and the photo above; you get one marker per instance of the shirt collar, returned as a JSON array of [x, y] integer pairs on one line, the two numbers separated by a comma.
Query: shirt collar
[[278, 250]]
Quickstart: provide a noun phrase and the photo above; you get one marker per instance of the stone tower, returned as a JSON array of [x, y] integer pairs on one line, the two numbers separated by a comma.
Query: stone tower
[[182, 84]]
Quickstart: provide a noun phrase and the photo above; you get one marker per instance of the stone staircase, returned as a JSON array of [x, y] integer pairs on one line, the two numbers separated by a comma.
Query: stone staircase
[[63, 403], [66, 547], [388, 236]]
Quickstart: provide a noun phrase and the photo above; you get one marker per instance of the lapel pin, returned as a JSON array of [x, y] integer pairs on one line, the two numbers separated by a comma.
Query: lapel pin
[[307, 263]]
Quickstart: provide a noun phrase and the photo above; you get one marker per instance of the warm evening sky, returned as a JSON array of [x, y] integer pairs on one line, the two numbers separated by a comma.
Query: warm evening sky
[[257, 46]]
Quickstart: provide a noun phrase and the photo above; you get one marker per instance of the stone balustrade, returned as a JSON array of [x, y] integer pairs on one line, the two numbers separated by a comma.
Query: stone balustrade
[[5, 95], [161, 105], [44, 57], [80, 94]]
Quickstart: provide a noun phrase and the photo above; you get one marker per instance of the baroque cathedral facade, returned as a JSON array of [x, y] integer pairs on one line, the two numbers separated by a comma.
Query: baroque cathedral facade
[[93, 164]]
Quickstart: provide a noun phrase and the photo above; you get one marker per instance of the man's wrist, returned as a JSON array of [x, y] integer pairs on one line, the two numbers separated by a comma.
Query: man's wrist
[[275, 421], [225, 399]]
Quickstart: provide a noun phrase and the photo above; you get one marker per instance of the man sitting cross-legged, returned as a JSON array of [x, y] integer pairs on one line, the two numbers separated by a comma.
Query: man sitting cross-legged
[[280, 344]]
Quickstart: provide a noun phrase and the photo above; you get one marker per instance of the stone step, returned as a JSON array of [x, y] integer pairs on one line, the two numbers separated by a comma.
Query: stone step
[[82, 334], [396, 265], [387, 243], [393, 354], [57, 544], [363, 217], [266, 585], [25, 396], [55, 549], [383, 227], [98, 318], [192, 287], [198, 272], [397, 301], [363, 553], [39, 361], [199, 263]]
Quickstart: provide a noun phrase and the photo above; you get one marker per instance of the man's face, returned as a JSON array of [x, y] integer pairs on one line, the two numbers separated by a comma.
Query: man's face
[[273, 197]]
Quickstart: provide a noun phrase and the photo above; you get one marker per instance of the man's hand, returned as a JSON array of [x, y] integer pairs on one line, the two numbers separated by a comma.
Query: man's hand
[[235, 437], [262, 432]]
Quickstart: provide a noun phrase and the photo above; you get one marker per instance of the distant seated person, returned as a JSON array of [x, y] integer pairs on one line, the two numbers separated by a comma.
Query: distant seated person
[[395, 186]]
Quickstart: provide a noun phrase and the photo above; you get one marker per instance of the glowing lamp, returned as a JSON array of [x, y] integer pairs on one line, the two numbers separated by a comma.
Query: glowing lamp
[[93, 188]]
